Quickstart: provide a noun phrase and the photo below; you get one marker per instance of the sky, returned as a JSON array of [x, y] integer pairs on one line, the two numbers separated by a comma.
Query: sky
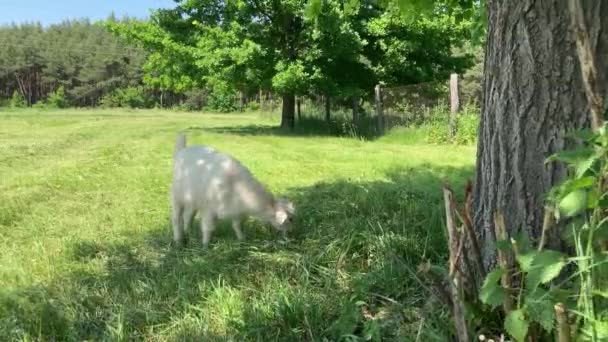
[[54, 11]]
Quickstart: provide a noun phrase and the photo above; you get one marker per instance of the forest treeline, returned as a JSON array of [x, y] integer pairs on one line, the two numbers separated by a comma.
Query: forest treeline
[[223, 58]]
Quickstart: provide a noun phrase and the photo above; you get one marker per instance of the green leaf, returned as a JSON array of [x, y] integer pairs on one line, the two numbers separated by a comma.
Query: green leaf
[[585, 165], [525, 260], [491, 292], [572, 157], [503, 245], [545, 267], [540, 308], [517, 325], [585, 134], [573, 203], [522, 241]]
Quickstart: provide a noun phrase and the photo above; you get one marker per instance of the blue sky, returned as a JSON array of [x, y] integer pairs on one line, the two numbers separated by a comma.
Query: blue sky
[[54, 11]]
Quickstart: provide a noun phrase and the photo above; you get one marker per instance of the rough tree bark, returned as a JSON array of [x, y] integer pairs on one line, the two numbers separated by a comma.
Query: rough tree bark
[[288, 111], [533, 95]]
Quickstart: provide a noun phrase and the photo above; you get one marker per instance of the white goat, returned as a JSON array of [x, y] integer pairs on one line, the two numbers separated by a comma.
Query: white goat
[[219, 187]]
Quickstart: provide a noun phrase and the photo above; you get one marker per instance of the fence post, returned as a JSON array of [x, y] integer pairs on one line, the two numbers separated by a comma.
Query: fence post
[[379, 109], [454, 105]]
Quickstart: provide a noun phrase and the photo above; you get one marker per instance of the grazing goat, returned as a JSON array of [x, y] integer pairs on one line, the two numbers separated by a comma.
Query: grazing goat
[[219, 187]]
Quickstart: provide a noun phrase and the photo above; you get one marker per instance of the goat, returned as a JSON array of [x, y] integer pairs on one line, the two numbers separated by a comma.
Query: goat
[[218, 186]]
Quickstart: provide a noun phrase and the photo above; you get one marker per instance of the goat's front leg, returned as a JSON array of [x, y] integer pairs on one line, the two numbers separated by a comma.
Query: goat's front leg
[[236, 226], [207, 227]]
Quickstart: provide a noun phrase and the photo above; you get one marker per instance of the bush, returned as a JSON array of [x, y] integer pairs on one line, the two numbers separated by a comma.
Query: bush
[[252, 106], [57, 99], [17, 101], [466, 126], [222, 99], [195, 100], [132, 97]]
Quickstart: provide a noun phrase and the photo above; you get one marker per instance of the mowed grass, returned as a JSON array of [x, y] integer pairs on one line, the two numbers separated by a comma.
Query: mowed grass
[[85, 249]]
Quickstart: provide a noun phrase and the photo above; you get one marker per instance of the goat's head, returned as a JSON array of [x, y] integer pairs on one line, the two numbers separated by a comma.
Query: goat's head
[[284, 211]]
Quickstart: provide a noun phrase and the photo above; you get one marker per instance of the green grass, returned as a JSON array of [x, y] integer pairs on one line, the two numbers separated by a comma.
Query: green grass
[[85, 235]]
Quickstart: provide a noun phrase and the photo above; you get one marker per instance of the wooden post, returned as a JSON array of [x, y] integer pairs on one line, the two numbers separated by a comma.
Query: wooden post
[[379, 109], [454, 105]]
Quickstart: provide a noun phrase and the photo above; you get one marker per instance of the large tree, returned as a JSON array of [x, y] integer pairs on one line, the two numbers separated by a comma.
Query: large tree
[[533, 96]]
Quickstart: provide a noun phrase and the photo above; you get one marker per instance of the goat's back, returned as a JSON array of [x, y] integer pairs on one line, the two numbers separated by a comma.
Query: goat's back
[[206, 178]]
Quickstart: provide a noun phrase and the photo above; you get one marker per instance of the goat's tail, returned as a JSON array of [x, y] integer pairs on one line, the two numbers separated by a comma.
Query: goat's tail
[[180, 143]]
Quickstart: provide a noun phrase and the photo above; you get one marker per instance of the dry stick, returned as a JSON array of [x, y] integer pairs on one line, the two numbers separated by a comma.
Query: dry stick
[[456, 281], [562, 323], [587, 62], [504, 260], [548, 222], [454, 263], [466, 217]]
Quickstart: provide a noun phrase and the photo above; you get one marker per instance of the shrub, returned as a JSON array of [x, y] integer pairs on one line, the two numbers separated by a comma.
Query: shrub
[[466, 126], [17, 101], [196, 99], [222, 99], [57, 98], [132, 97], [252, 106]]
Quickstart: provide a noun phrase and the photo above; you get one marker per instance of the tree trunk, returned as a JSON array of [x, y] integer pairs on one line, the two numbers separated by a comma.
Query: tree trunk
[[355, 105], [287, 114], [298, 109], [327, 108], [533, 96]]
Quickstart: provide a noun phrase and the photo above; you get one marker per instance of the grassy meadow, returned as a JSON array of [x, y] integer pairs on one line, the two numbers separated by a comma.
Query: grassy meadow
[[85, 249]]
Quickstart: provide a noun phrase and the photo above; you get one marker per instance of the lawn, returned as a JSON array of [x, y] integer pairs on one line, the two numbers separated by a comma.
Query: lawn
[[85, 249]]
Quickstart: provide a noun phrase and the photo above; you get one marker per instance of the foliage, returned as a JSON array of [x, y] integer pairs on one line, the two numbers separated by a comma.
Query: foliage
[[17, 100], [222, 98], [416, 52], [130, 97], [196, 99], [341, 52], [57, 98], [575, 277], [83, 58], [467, 125]]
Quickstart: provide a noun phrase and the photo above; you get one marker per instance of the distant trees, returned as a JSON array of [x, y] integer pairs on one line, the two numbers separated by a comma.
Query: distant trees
[[216, 52], [76, 60]]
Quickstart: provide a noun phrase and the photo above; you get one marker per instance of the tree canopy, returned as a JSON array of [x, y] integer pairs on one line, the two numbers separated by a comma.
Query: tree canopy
[[333, 48]]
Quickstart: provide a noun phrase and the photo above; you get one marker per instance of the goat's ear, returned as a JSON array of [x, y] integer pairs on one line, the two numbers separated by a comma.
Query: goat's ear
[[290, 207], [286, 205]]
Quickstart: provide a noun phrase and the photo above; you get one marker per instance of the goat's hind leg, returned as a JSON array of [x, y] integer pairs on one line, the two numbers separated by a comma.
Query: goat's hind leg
[[207, 227], [187, 217], [177, 222], [236, 226]]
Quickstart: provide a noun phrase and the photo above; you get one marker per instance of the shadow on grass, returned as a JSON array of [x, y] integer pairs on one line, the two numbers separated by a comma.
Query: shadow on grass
[[367, 128], [354, 242]]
